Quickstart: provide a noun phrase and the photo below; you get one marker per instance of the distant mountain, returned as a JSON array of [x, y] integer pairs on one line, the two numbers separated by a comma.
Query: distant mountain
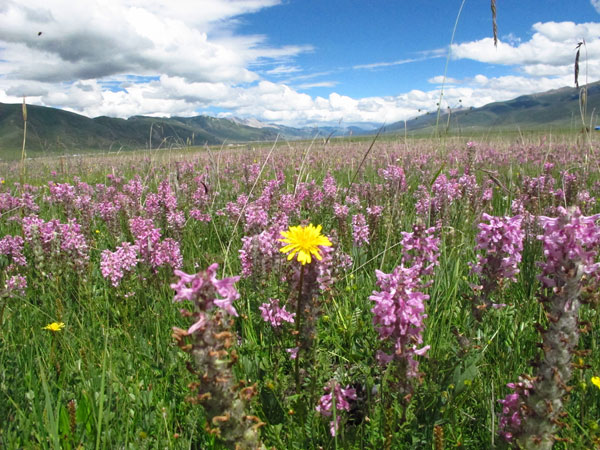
[[50, 129], [558, 109]]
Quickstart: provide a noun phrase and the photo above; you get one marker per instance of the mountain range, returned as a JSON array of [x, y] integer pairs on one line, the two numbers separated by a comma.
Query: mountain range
[[51, 129], [558, 109]]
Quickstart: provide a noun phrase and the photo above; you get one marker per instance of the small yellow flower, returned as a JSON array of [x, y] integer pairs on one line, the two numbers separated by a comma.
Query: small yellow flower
[[596, 382], [97, 231], [54, 326], [304, 241]]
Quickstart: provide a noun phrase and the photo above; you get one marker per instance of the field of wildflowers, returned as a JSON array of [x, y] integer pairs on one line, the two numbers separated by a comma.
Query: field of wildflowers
[[425, 294]]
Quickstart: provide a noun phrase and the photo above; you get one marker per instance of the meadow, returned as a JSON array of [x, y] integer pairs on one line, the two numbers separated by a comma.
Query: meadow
[[150, 299]]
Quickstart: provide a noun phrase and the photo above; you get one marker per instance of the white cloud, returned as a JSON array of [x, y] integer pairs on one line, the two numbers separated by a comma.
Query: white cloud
[[317, 84], [441, 79], [549, 52], [596, 4], [91, 39], [178, 57], [283, 70], [378, 65]]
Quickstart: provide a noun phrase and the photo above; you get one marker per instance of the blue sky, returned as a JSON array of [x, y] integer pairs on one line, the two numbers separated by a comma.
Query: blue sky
[[293, 62]]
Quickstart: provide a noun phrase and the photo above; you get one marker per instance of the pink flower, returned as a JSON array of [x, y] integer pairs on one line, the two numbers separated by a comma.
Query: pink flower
[[114, 264], [360, 230], [341, 397], [274, 314], [205, 290], [15, 286], [398, 315], [395, 177], [499, 245], [12, 246], [513, 410], [570, 239]]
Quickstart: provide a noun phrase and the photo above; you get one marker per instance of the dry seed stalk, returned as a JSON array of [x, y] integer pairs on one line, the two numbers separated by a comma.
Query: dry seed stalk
[[577, 63], [438, 437], [494, 24]]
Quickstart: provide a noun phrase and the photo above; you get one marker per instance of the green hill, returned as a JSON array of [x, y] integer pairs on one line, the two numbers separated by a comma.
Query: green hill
[[50, 130], [556, 109]]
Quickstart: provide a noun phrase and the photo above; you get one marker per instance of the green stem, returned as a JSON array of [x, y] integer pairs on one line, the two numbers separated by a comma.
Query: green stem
[[298, 328], [2, 313]]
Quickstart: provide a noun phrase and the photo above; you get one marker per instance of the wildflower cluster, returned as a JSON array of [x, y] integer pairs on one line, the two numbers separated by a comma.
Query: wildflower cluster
[[398, 314], [56, 246], [274, 314], [341, 397], [570, 242], [514, 409], [210, 342], [115, 264], [499, 247]]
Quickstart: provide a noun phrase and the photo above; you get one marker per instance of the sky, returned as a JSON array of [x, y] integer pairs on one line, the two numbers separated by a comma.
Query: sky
[[290, 62]]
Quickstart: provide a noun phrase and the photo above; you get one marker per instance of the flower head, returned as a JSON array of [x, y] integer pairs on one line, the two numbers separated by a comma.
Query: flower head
[[54, 326], [596, 382], [304, 241]]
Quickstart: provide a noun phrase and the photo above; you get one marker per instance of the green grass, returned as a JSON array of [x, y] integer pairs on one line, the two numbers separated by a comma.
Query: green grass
[[113, 378]]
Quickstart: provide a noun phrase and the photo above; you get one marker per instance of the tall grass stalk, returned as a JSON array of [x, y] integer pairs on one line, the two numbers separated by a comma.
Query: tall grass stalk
[[237, 222], [439, 109], [101, 395], [23, 155]]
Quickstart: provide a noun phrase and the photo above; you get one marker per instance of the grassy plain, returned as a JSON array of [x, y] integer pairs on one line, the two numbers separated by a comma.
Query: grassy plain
[[113, 377]]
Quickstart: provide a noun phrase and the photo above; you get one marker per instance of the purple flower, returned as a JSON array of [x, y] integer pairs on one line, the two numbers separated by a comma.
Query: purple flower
[[167, 253], [15, 286], [398, 314], [570, 239], [256, 218], [329, 187], [421, 249], [54, 243], [205, 290], [114, 264], [342, 398], [340, 211], [152, 250], [499, 245], [12, 246], [198, 215], [513, 410], [274, 314], [395, 177], [360, 230], [260, 252]]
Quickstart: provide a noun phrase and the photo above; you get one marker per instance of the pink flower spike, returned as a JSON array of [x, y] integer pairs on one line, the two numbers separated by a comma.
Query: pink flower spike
[[204, 289]]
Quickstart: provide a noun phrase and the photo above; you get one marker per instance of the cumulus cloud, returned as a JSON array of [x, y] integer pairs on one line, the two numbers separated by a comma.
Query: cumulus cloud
[[549, 52], [275, 102], [92, 39], [440, 79], [596, 4], [152, 57]]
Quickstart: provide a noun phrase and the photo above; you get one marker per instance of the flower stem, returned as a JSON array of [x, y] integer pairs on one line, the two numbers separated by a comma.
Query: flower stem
[[298, 328], [2, 312]]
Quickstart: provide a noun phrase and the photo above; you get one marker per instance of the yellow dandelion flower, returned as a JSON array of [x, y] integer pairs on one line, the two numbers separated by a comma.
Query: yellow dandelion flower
[[596, 382], [304, 241], [54, 326]]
